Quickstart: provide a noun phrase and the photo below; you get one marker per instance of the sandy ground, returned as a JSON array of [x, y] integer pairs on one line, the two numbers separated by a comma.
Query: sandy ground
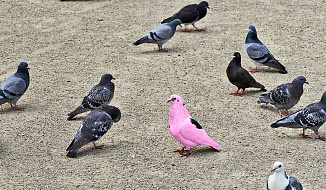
[[80, 41]]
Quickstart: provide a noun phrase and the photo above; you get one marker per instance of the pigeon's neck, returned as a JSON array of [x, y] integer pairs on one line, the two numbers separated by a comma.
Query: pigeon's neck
[[22, 73], [252, 38], [178, 114], [322, 105], [279, 180]]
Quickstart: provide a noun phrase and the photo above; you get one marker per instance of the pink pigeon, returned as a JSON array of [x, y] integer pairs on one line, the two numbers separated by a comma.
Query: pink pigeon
[[185, 129]]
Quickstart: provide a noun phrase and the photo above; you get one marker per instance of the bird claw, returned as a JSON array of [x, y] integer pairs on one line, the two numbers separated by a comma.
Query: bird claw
[[17, 108], [200, 30], [254, 70], [162, 50], [321, 138], [304, 136], [185, 30], [187, 154], [97, 147]]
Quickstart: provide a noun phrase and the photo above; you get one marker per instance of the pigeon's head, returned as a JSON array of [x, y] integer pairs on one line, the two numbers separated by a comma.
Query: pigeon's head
[[237, 55], [114, 112], [252, 29], [23, 66], [278, 167], [204, 4], [175, 99], [107, 78], [176, 22], [300, 80]]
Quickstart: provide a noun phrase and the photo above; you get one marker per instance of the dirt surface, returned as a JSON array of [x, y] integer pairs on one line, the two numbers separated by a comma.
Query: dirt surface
[[81, 41]]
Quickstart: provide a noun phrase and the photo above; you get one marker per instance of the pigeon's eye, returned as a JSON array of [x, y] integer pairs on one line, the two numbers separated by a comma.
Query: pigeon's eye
[[173, 99], [279, 166]]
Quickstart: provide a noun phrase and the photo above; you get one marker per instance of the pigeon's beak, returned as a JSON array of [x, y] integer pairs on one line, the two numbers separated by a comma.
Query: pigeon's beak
[[273, 169], [171, 100], [306, 82], [168, 101], [27, 67], [113, 78]]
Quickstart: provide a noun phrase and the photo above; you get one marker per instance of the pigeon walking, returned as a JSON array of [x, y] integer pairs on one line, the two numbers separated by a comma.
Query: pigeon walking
[[190, 14], [311, 117], [285, 96], [15, 86], [94, 126], [259, 53], [161, 34], [240, 77], [185, 129], [280, 181], [101, 93]]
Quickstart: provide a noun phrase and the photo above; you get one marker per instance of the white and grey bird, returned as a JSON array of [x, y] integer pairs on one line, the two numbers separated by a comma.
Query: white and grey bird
[[280, 181], [161, 34], [15, 86], [285, 96], [259, 53], [190, 14], [101, 93], [94, 126], [311, 117]]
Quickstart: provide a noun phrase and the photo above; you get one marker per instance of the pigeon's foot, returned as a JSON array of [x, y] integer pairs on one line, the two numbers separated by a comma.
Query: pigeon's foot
[[187, 154], [16, 107], [254, 70], [185, 30], [321, 138], [237, 93], [180, 151], [284, 115], [163, 50], [304, 136], [199, 30], [97, 147]]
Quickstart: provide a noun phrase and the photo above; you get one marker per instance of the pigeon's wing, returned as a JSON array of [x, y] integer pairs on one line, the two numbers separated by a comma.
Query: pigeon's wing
[[162, 32], [257, 52], [95, 125], [188, 14], [281, 94], [99, 95], [311, 116], [294, 184], [13, 87]]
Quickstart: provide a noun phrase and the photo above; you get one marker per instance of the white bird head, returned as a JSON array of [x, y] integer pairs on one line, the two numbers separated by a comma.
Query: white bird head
[[278, 167]]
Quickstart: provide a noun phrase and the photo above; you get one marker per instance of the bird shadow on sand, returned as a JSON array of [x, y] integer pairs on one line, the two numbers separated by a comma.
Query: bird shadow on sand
[[253, 92], [264, 70], [203, 150], [170, 51]]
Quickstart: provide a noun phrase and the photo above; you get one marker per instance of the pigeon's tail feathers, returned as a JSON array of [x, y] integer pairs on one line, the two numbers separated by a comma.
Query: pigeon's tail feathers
[[286, 122], [264, 99], [79, 110], [212, 144], [76, 145], [72, 154], [3, 100], [167, 20], [143, 40], [277, 65], [258, 85]]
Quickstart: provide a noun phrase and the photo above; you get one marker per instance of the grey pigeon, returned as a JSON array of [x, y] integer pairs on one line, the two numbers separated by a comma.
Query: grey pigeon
[[311, 117], [240, 77], [15, 86], [285, 96], [259, 53], [280, 181], [94, 126], [161, 34], [101, 93], [190, 14]]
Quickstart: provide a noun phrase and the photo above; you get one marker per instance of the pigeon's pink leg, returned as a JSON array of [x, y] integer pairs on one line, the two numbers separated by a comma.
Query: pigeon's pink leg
[[161, 49], [303, 135], [199, 30], [16, 107], [282, 115], [186, 30], [254, 70], [321, 138], [97, 147], [187, 154], [235, 93], [241, 93], [288, 113], [180, 151]]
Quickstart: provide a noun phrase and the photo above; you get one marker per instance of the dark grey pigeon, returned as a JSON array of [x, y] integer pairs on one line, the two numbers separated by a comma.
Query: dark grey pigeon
[[94, 126], [240, 77], [15, 86], [190, 14], [285, 96], [280, 181], [101, 93], [259, 53], [311, 117], [161, 34]]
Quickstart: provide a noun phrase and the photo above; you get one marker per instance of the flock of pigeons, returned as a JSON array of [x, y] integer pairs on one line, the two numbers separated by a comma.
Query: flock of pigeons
[[182, 126]]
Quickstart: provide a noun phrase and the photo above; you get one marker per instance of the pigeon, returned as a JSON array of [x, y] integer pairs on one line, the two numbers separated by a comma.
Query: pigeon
[[280, 181], [285, 96], [94, 126], [161, 34], [259, 53], [185, 129], [311, 117], [190, 14], [101, 93], [15, 86], [240, 77]]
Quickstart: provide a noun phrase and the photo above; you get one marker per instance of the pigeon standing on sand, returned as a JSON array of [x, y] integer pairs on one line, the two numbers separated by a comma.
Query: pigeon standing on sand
[[185, 129], [15, 86], [259, 53], [311, 117], [190, 14], [94, 126], [240, 77], [285, 96], [101, 93], [280, 181], [161, 34]]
